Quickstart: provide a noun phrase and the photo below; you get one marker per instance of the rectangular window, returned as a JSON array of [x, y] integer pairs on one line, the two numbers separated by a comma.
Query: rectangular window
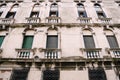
[[82, 14], [97, 74], [1, 13], [54, 13], [51, 75], [101, 15], [27, 42], [52, 42], [10, 14], [1, 40], [112, 41], [19, 74], [89, 41], [34, 14]]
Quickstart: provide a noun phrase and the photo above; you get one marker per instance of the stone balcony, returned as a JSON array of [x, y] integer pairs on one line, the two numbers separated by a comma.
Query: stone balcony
[[94, 53], [32, 20], [114, 52], [52, 53], [7, 21], [84, 20], [25, 53], [106, 21], [53, 19]]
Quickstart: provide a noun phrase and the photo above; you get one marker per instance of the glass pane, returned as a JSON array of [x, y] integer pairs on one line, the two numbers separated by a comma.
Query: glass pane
[[34, 14], [52, 41], [89, 42], [112, 42], [1, 39], [27, 42], [10, 14]]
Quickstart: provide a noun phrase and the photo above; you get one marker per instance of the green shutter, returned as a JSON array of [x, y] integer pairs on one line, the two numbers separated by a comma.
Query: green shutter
[[27, 42], [1, 40]]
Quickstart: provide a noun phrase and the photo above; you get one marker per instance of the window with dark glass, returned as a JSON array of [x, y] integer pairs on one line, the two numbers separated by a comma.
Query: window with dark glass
[[89, 41], [19, 74], [54, 10], [99, 11], [10, 14], [97, 74], [54, 13], [52, 41], [27, 42], [81, 10], [1, 40], [112, 41], [1, 13], [34, 14], [82, 14]]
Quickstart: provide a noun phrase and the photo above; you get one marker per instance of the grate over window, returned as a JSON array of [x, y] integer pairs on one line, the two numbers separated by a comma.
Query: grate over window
[[51, 75], [97, 74], [20, 74]]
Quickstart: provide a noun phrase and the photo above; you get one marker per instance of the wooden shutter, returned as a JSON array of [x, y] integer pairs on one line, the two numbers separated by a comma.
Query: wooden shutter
[[112, 42], [27, 42], [1, 39], [52, 42], [89, 41], [97, 74]]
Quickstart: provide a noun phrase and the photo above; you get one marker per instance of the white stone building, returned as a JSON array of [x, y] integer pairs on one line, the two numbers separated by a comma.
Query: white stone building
[[59, 39]]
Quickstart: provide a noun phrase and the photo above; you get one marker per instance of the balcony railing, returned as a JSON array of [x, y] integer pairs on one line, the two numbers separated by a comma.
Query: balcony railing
[[105, 20], [52, 53], [33, 20], [84, 20], [25, 53], [53, 19], [7, 20], [92, 53], [115, 53]]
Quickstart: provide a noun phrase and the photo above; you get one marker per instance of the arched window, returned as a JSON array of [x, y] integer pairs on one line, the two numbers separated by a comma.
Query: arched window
[[35, 10], [12, 11], [52, 42], [2, 8], [54, 10], [81, 10], [99, 11]]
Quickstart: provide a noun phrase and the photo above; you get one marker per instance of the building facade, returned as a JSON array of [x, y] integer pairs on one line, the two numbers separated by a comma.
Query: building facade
[[59, 39]]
